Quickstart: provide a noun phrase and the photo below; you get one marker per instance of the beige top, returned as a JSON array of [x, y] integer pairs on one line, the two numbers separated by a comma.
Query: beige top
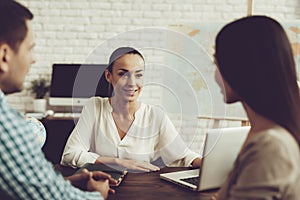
[[268, 167]]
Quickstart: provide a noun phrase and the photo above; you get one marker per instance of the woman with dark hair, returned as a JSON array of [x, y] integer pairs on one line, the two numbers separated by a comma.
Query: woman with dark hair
[[120, 129], [255, 66]]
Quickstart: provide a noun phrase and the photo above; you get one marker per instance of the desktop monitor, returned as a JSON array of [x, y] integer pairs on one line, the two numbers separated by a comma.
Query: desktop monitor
[[73, 84]]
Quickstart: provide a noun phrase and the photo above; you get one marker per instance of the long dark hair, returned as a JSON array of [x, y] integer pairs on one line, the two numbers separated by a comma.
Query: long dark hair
[[116, 54], [255, 57]]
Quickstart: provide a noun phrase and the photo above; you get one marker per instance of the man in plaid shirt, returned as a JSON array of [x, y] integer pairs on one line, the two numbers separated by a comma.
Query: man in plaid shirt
[[24, 171]]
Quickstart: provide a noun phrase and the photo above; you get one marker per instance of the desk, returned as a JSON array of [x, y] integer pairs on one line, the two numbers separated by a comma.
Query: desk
[[146, 186], [58, 131]]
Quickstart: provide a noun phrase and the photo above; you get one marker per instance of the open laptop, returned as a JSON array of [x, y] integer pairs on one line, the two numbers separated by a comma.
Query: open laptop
[[220, 151]]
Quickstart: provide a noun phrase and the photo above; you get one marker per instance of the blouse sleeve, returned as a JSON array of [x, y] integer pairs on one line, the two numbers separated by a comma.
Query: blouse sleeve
[[76, 152], [173, 149]]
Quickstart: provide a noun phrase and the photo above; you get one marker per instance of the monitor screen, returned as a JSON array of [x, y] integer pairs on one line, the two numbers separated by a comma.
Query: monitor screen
[[73, 84]]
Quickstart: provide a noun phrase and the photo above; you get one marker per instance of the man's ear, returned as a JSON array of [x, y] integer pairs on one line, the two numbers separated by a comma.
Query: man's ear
[[5, 52], [107, 76]]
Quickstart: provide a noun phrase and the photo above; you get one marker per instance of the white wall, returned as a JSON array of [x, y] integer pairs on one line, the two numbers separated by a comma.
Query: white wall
[[67, 31]]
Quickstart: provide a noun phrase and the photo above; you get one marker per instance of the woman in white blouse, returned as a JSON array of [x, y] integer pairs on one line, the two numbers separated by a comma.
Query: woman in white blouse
[[120, 130]]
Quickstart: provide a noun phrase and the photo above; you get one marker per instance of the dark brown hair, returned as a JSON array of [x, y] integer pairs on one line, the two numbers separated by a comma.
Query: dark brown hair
[[116, 54], [13, 27], [255, 57]]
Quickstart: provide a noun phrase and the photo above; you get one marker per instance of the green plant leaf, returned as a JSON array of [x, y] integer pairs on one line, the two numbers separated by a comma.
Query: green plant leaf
[[39, 87]]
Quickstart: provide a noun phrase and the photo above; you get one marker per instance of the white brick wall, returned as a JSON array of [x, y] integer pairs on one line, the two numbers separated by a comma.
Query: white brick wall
[[69, 30]]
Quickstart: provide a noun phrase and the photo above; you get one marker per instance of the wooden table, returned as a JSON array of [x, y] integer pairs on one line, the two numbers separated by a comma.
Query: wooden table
[[148, 186]]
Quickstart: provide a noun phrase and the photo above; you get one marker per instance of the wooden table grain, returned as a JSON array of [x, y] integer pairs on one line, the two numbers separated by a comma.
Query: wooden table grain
[[146, 186], [149, 186]]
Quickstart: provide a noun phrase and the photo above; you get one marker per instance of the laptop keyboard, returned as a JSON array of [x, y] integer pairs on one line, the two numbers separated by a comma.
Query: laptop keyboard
[[192, 180]]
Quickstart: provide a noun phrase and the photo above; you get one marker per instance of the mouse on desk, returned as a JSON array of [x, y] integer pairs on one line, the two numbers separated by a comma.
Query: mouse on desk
[[49, 113]]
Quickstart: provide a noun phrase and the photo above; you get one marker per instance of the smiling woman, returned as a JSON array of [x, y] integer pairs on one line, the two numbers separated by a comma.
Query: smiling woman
[[126, 76], [122, 130]]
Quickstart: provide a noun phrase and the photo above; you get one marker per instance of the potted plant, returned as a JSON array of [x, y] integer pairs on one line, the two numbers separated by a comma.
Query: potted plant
[[39, 87]]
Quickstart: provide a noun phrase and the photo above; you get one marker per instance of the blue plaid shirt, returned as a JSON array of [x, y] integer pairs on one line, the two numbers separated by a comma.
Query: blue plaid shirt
[[24, 171]]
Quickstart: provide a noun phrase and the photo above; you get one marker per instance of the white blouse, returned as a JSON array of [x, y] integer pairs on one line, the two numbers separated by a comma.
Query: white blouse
[[150, 137]]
